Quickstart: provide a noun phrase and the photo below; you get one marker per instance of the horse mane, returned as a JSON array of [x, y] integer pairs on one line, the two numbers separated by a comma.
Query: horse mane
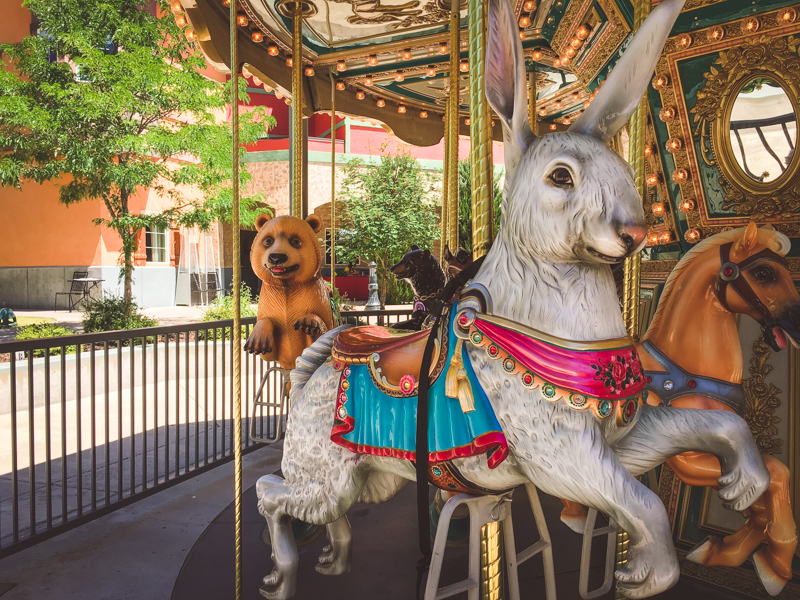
[[774, 240]]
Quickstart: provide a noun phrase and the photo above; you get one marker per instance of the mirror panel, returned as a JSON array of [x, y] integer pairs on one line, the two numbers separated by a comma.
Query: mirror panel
[[763, 130]]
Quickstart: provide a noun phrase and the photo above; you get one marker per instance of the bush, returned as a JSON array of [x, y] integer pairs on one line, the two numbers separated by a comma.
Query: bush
[[45, 330], [398, 291], [222, 309], [108, 314]]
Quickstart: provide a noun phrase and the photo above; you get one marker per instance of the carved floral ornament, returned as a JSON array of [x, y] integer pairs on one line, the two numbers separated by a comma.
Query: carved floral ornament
[[761, 56]]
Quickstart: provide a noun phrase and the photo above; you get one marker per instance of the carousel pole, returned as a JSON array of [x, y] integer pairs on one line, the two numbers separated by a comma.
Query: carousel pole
[[297, 111], [445, 184], [532, 99], [480, 132], [237, 304], [333, 183], [453, 103], [633, 264]]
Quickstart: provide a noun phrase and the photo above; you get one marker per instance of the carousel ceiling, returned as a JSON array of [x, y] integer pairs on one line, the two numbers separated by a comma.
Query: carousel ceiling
[[712, 162]]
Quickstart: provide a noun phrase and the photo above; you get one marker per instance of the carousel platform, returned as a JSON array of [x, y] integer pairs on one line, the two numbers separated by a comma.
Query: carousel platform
[[385, 554]]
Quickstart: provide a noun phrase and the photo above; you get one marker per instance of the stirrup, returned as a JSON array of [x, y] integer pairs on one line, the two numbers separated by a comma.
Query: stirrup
[[484, 510], [589, 533], [276, 409]]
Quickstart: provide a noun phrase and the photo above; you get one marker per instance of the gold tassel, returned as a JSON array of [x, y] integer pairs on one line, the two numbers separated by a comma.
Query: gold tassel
[[456, 383]]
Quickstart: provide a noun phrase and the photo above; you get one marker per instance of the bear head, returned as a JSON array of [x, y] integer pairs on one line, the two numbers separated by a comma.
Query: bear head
[[414, 263], [286, 249]]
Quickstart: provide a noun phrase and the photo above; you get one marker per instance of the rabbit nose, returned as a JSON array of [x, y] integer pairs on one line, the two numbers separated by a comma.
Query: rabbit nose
[[276, 259], [632, 236]]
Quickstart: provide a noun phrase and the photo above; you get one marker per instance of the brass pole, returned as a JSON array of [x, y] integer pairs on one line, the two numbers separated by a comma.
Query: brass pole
[[297, 111], [480, 133], [237, 303], [445, 184], [632, 273], [532, 100], [453, 103], [333, 183], [492, 561]]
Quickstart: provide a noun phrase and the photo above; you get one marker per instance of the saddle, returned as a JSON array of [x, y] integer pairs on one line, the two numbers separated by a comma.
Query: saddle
[[394, 357]]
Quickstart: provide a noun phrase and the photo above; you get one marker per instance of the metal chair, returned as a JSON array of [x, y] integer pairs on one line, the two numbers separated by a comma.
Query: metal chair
[[78, 288]]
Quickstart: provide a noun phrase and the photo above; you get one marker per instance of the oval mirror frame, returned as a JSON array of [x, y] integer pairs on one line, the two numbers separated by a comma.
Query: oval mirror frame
[[729, 166]]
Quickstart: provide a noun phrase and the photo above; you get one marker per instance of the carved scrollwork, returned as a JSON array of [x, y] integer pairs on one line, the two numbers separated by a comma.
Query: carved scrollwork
[[760, 56], [761, 400]]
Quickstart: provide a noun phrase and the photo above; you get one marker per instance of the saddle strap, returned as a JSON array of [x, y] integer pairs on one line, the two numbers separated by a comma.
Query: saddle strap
[[676, 382]]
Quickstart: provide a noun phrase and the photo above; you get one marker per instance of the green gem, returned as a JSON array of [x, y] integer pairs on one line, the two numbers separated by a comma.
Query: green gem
[[549, 390], [605, 408]]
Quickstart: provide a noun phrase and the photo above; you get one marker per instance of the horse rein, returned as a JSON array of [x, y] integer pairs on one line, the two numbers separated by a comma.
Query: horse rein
[[730, 273]]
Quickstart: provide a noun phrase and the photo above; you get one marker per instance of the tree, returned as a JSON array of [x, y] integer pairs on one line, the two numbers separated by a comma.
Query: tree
[[385, 209], [465, 204], [108, 98]]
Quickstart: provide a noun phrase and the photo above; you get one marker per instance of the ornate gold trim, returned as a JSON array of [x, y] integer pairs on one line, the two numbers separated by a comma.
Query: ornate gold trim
[[761, 401], [794, 431], [659, 267]]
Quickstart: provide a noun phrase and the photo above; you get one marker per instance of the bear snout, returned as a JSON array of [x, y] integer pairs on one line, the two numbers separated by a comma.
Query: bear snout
[[277, 259]]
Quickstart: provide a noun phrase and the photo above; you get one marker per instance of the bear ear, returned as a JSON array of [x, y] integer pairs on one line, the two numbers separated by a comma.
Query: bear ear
[[315, 222], [414, 247], [427, 253], [262, 219]]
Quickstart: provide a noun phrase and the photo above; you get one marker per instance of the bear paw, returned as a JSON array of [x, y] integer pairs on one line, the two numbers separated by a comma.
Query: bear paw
[[310, 325]]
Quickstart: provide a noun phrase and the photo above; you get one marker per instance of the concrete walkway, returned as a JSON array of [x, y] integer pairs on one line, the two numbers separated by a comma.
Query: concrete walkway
[[135, 552]]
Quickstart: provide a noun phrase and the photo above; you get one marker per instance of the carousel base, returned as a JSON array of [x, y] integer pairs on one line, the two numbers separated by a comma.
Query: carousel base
[[385, 555]]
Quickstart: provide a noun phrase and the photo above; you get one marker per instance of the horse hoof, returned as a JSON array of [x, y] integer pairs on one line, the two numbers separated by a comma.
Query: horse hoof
[[275, 588], [701, 552], [772, 582]]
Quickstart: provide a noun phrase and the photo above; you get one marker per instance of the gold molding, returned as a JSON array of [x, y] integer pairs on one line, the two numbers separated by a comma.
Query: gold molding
[[794, 431], [761, 401], [658, 266]]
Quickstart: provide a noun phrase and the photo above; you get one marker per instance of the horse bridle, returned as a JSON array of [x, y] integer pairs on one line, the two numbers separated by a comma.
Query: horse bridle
[[730, 273]]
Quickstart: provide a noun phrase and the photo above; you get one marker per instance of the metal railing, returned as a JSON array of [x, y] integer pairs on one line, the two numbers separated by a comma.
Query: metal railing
[[92, 422]]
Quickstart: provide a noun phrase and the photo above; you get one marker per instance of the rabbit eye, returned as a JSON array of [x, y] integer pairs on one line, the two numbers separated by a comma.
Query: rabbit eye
[[562, 178]]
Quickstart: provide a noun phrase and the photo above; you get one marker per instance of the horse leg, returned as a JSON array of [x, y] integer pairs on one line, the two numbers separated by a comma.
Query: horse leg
[[282, 582], [337, 557], [573, 515]]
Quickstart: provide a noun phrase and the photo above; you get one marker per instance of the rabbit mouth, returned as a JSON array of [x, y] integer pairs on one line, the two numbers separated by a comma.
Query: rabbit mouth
[[605, 257]]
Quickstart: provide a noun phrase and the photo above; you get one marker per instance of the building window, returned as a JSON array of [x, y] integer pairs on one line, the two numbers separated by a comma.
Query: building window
[[156, 244]]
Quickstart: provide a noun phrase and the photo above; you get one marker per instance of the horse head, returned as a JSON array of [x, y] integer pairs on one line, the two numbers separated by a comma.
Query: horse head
[[754, 280], [568, 197]]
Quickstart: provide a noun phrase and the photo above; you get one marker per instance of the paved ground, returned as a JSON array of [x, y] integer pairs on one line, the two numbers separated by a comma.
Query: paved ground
[[135, 552]]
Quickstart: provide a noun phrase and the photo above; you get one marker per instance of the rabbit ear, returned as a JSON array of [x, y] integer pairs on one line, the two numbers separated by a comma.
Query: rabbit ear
[[621, 94], [506, 84]]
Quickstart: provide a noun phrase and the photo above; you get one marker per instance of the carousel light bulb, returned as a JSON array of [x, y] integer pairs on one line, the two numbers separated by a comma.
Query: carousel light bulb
[[340, 86], [751, 25], [566, 121], [492, 122], [665, 237], [557, 104], [570, 51], [522, 35], [368, 80], [278, 95], [674, 144], [565, 60], [652, 180], [648, 150], [444, 118], [190, 35], [257, 81], [542, 112], [680, 175], [246, 72], [401, 109], [398, 76], [788, 15], [242, 20], [715, 34], [381, 103], [686, 206], [176, 7], [430, 71], [586, 103], [341, 66], [652, 239], [226, 2], [309, 71], [360, 95], [685, 40], [575, 96], [537, 55], [272, 49], [463, 66], [583, 32], [553, 126], [257, 37], [180, 21], [289, 61], [423, 114], [576, 43], [443, 48], [525, 21], [666, 114], [407, 54], [557, 62], [372, 60], [692, 236], [660, 82], [529, 5], [658, 209]]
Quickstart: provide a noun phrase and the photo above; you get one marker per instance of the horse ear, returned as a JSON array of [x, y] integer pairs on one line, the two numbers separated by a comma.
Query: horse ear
[[623, 90], [745, 244], [506, 84]]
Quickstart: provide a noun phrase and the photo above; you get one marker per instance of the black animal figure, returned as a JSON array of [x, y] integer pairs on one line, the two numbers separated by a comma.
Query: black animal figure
[[421, 269]]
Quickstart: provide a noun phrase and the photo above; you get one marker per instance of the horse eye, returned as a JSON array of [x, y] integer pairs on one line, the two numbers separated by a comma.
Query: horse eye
[[764, 274], [562, 178]]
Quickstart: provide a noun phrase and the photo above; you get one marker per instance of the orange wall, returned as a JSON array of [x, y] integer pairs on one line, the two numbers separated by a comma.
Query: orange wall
[[16, 21]]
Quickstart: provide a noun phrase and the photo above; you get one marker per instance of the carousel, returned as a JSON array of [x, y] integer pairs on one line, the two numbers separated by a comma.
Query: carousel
[[619, 357]]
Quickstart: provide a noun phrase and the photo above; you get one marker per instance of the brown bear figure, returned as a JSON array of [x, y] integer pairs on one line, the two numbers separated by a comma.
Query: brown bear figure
[[294, 307]]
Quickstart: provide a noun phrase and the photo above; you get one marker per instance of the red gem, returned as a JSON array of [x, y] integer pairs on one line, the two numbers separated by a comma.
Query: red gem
[[630, 410], [528, 379], [493, 350], [727, 271], [691, 383], [463, 319], [649, 380]]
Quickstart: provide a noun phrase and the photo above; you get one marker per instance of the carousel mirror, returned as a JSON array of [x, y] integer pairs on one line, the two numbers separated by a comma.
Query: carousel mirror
[[763, 129]]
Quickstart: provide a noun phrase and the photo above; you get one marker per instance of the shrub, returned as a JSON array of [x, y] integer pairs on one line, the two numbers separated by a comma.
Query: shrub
[[45, 330], [222, 309], [398, 291], [110, 314]]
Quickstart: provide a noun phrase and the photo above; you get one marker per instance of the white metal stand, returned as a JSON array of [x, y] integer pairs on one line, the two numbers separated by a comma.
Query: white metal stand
[[483, 510], [278, 407], [589, 533]]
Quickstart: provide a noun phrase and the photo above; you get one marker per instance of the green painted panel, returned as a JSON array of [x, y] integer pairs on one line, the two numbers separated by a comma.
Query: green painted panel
[[723, 12]]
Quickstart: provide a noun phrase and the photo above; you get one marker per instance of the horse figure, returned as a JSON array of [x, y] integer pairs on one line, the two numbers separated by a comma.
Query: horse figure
[[702, 369], [570, 210]]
